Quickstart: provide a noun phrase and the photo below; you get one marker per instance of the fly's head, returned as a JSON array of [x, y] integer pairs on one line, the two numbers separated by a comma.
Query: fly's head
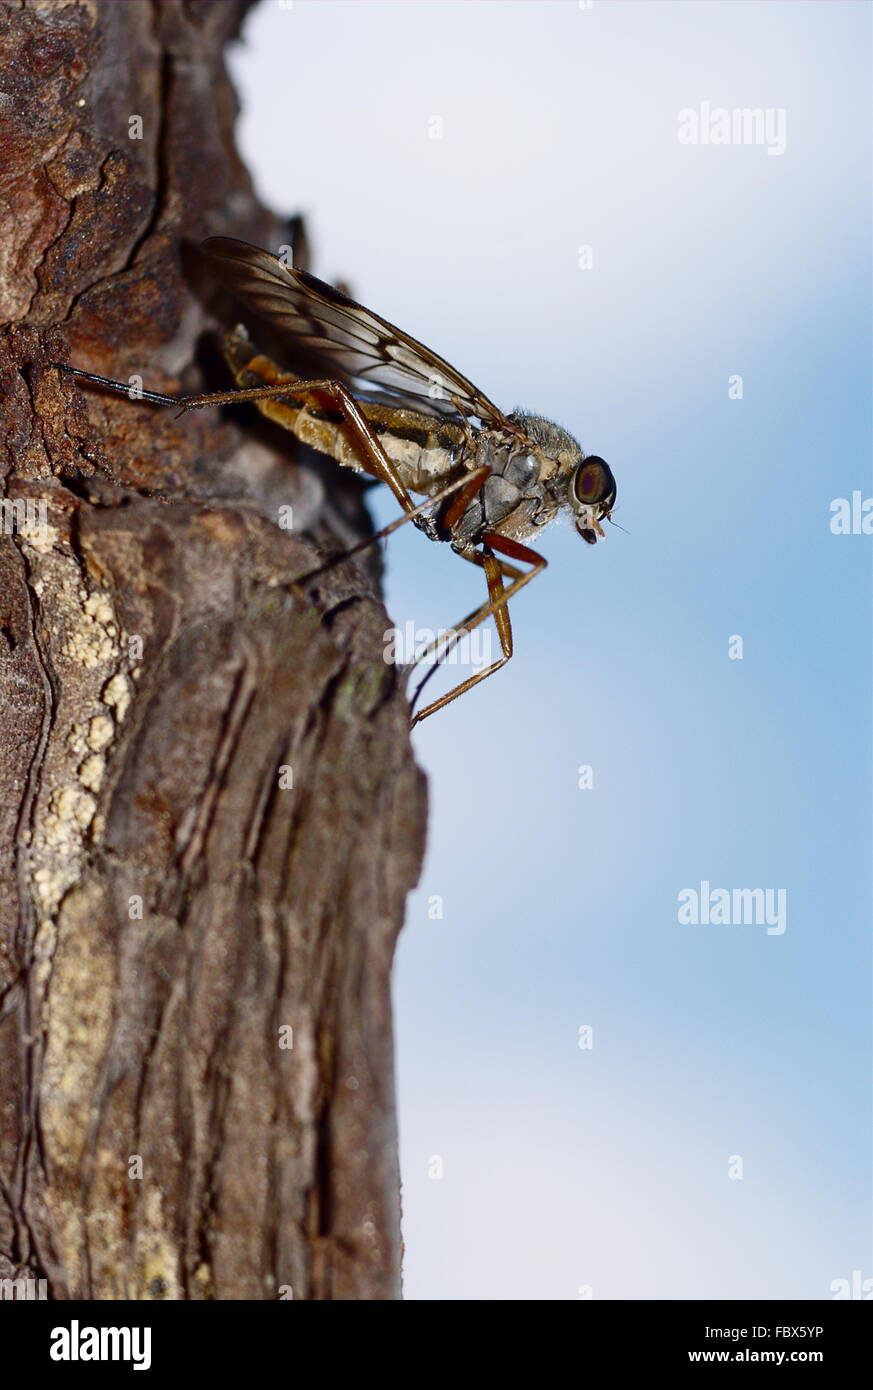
[[592, 496], [582, 482]]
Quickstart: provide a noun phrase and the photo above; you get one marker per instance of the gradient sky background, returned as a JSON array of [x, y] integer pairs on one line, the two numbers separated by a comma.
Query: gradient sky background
[[608, 1169]]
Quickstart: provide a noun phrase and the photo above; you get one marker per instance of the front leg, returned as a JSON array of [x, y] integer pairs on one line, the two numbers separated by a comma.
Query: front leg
[[498, 598]]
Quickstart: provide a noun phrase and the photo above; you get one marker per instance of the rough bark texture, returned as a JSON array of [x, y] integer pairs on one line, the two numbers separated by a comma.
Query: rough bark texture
[[171, 907]]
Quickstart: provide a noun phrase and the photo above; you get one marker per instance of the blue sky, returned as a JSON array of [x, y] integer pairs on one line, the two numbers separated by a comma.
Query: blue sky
[[613, 1169]]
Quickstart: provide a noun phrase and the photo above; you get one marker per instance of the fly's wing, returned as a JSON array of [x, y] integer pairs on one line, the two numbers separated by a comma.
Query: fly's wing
[[345, 339]]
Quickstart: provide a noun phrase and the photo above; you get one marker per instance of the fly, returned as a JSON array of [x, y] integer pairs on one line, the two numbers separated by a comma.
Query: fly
[[383, 404]]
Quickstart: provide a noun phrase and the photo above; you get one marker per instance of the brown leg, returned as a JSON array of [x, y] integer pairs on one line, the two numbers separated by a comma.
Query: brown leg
[[379, 463], [498, 598], [454, 634], [469, 484]]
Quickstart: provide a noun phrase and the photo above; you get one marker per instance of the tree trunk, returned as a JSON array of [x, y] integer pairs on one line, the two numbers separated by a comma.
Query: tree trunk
[[209, 811]]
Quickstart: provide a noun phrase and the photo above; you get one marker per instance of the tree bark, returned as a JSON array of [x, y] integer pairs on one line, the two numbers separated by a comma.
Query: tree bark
[[209, 811]]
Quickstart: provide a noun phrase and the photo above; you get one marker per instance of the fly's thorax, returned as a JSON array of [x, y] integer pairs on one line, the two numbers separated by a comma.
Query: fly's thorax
[[559, 451], [514, 482]]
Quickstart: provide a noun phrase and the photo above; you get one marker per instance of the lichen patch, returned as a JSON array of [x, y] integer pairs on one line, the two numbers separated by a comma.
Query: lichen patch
[[116, 694], [92, 771], [94, 639], [101, 731]]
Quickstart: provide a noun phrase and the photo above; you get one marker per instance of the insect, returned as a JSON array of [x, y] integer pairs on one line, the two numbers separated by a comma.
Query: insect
[[383, 404]]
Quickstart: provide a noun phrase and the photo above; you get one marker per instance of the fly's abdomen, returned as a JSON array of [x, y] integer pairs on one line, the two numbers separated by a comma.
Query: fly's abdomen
[[425, 456], [322, 429]]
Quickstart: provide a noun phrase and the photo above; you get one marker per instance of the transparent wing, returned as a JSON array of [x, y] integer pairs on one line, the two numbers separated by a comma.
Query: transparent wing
[[344, 337]]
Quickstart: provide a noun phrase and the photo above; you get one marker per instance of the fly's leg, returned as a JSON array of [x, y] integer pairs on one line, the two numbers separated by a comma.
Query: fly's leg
[[452, 636], [439, 648], [467, 485], [494, 578], [498, 598], [378, 462]]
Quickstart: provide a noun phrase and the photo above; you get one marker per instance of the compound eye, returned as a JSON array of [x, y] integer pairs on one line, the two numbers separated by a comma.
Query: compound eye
[[593, 482]]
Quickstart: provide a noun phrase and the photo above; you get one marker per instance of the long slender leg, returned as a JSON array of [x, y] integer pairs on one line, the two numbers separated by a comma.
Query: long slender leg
[[504, 631], [498, 598], [452, 636], [379, 463], [438, 652], [469, 483]]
